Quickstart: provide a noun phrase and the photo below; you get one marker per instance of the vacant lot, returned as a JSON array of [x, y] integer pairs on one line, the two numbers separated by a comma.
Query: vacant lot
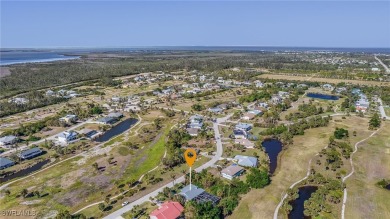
[[372, 163], [82, 183]]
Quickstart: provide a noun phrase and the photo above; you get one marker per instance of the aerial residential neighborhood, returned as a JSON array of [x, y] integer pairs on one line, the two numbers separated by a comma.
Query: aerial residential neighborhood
[[194, 109]]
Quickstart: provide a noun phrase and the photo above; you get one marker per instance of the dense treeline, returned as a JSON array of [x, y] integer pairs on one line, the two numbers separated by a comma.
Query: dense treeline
[[286, 133], [32, 76], [176, 138], [35, 100]]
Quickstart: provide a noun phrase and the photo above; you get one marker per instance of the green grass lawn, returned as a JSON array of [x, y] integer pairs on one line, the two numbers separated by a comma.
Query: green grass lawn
[[150, 158], [387, 110]]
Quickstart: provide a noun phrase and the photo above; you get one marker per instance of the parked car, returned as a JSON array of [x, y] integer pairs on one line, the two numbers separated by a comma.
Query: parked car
[[125, 203]]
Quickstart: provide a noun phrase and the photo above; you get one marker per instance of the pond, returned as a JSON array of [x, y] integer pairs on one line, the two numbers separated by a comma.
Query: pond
[[322, 96], [298, 204], [26, 171], [272, 147], [117, 130]]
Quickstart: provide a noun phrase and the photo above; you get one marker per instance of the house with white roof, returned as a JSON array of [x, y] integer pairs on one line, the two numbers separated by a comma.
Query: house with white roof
[[8, 140], [244, 142], [232, 171], [67, 136], [245, 161], [69, 118]]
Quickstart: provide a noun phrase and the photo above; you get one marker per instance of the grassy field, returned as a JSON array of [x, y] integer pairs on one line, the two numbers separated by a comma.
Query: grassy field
[[325, 80], [372, 163], [261, 203], [387, 110], [74, 184]]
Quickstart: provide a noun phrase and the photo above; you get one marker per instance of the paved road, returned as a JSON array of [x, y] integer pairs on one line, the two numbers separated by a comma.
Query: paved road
[[117, 214], [383, 64], [53, 137], [382, 110]]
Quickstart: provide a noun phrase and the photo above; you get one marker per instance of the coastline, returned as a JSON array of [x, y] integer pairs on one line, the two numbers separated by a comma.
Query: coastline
[[39, 60]]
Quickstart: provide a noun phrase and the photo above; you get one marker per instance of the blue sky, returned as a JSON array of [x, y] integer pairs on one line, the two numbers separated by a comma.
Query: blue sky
[[200, 23]]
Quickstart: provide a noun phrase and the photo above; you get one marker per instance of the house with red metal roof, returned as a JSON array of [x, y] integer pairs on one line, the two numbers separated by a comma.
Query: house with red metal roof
[[168, 210]]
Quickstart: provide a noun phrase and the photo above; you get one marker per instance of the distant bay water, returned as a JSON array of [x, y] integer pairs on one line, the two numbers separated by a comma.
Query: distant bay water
[[17, 56]]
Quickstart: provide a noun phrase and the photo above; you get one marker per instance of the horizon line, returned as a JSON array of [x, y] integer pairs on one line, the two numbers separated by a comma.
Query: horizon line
[[204, 46]]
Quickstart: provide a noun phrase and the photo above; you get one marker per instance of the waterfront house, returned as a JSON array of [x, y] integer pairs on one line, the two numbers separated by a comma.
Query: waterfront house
[[107, 120], [115, 115], [30, 153], [244, 142], [245, 161], [5, 163]]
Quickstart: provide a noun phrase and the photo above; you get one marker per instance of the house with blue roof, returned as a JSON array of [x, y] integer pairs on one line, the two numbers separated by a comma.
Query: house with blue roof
[[244, 126], [194, 193], [5, 163], [30, 153]]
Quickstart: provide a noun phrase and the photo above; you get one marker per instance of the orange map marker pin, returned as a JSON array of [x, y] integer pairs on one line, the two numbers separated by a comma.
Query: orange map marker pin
[[190, 160]]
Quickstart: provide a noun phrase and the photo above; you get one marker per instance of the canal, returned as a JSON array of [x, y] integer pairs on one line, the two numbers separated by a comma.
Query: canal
[[117, 130], [26, 171]]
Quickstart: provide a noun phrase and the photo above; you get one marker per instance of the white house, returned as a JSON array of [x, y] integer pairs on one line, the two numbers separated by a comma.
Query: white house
[[69, 118], [8, 140], [232, 171], [134, 108], [67, 136], [245, 161], [244, 142]]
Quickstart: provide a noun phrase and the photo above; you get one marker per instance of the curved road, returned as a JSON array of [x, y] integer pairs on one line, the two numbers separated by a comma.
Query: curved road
[[352, 171], [117, 214]]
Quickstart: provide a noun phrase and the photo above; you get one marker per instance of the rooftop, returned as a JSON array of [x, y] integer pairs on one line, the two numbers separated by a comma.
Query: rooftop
[[168, 210], [232, 170], [190, 194]]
